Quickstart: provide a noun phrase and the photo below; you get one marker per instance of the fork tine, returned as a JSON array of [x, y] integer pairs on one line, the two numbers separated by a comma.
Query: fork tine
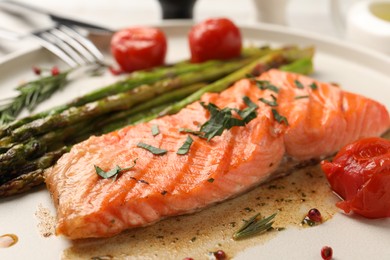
[[84, 41], [56, 50], [53, 39], [84, 53]]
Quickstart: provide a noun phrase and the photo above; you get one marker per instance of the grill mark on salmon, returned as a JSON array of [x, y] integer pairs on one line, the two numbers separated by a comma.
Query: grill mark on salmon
[[238, 160]]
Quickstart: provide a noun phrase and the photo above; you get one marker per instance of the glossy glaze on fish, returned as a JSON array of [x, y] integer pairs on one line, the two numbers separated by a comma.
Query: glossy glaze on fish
[[321, 118]]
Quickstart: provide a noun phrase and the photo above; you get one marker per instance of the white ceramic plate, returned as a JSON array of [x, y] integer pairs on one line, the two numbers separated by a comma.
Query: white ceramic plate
[[356, 69]]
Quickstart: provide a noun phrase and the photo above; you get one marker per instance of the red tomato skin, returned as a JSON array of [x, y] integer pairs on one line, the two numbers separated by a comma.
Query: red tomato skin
[[139, 48], [360, 174], [216, 38]]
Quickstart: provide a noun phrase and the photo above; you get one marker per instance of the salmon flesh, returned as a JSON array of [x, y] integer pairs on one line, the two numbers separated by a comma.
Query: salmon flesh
[[297, 118]]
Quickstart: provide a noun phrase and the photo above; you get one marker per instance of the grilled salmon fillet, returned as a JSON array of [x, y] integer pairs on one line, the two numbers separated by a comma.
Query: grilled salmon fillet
[[320, 119]]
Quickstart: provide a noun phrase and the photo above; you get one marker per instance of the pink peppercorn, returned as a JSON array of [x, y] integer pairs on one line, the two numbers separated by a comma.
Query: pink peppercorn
[[220, 255], [314, 215], [55, 71], [36, 70], [326, 253]]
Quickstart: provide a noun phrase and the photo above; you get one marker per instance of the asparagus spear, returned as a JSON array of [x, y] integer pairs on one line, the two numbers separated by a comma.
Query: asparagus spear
[[120, 101], [135, 79], [121, 118], [28, 180], [43, 162], [37, 146], [274, 59], [22, 183]]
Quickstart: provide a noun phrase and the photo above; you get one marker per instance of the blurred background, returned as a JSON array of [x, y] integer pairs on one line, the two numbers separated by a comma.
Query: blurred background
[[325, 17]]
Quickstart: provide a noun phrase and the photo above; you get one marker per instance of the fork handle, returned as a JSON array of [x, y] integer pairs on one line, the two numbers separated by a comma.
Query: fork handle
[[57, 18]]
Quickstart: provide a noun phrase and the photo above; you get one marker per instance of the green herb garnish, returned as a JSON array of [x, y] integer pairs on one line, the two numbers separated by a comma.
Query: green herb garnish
[[313, 86], [186, 146], [279, 117], [223, 119], [211, 180], [248, 113], [219, 121], [190, 131], [30, 95], [300, 97], [254, 226], [272, 103], [265, 84], [308, 221], [155, 130], [298, 84], [152, 149], [112, 172]]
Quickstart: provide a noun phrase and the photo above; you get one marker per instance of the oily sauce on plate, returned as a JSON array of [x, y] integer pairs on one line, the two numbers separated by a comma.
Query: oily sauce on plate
[[210, 230]]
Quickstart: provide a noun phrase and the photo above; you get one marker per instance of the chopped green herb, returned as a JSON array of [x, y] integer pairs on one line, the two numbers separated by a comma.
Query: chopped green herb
[[113, 172], [298, 84], [309, 222], [248, 113], [155, 130], [186, 146], [280, 228], [265, 84], [254, 226], [272, 103], [152, 149], [313, 86], [279, 117], [211, 180], [194, 132], [221, 119], [300, 97]]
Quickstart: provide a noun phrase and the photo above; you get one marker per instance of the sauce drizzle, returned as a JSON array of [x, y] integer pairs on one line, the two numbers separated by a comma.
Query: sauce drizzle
[[8, 240]]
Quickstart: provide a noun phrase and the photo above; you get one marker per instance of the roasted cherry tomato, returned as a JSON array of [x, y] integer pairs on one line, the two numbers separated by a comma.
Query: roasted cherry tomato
[[139, 48], [217, 38], [360, 174]]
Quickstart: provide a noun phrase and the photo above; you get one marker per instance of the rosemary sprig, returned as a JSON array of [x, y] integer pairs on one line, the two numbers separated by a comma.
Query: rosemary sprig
[[254, 226], [30, 95]]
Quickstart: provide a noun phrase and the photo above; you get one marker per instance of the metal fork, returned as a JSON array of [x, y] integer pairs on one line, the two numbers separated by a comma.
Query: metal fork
[[64, 39], [69, 45], [65, 42]]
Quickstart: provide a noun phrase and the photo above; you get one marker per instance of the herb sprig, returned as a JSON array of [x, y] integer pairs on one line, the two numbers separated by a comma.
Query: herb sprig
[[254, 226], [30, 95]]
